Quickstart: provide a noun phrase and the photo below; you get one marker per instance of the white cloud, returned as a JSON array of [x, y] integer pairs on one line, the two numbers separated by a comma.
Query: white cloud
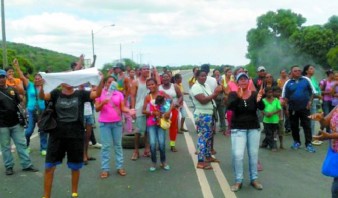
[[217, 25]]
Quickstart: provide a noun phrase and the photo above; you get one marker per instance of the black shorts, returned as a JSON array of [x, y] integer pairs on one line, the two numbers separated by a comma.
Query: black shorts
[[58, 147]]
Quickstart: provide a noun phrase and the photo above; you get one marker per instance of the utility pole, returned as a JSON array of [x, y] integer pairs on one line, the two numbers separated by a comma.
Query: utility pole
[[4, 47]]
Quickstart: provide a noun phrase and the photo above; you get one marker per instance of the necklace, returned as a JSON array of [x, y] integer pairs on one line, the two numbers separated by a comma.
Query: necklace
[[245, 104]]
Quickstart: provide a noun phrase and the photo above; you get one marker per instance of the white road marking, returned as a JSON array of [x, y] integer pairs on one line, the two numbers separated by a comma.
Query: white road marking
[[223, 182]]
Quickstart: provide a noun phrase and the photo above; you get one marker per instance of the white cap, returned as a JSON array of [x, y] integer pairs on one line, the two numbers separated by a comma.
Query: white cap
[[260, 68]]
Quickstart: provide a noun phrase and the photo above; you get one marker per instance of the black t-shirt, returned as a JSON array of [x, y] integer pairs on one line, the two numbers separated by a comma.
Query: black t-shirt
[[244, 111], [8, 107], [69, 112]]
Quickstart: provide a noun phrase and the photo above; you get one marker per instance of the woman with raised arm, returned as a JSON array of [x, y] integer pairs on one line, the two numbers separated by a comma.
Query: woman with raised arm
[[35, 106], [68, 137]]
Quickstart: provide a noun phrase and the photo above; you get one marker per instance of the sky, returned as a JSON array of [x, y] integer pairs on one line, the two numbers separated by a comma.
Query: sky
[[155, 32]]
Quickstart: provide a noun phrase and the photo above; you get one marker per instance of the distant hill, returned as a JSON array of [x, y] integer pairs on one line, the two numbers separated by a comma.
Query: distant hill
[[34, 59]]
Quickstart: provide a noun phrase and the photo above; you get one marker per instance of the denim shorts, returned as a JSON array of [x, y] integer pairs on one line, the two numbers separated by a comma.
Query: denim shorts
[[88, 119], [183, 112], [141, 124]]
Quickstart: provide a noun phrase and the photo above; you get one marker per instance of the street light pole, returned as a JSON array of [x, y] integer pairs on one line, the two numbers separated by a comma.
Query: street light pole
[[4, 47], [96, 33], [93, 42]]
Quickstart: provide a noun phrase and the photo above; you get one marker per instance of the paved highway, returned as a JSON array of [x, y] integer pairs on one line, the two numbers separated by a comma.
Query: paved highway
[[286, 173]]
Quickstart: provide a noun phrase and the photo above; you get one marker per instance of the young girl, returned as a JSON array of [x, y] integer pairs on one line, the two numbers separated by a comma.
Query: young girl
[[154, 113]]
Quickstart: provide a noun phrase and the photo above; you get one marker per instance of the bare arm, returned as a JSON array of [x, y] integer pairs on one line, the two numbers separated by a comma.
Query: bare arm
[[18, 70], [133, 92], [97, 92]]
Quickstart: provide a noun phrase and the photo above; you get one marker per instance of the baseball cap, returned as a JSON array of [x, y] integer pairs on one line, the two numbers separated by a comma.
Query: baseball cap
[[3, 72], [118, 65], [260, 68], [241, 75]]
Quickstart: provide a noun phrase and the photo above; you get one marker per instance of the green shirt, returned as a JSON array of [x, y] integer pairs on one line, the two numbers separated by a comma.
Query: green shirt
[[272, 107], [315, 84], [201, 89]]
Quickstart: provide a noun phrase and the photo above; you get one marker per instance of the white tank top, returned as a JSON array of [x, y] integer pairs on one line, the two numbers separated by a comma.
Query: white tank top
[[171, 91], [141, 94]]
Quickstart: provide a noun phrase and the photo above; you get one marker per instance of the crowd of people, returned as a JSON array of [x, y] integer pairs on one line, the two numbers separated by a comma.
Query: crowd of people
[[154, 103]]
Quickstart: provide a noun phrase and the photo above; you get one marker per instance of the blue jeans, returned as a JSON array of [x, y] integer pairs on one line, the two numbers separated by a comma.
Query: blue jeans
[[314, 110], [14, 132], [111, 133], [32, 120], [327, 108], [334, 188], [241, 138], [157, 135]]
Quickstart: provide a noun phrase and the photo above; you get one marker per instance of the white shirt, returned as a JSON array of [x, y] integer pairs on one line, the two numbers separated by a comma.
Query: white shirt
[[212, 83]]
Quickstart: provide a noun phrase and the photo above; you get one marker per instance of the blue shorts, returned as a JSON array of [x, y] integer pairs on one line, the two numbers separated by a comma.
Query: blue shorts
[[141, 124], [88, 120], [183, 112]]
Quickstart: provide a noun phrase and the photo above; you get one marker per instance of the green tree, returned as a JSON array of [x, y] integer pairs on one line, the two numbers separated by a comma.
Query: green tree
[[315, 41], [268, 42], [332, 58]]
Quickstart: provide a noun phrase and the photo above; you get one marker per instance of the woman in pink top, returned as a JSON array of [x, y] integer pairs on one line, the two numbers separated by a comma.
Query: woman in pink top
[[111, 105], [330, 120]]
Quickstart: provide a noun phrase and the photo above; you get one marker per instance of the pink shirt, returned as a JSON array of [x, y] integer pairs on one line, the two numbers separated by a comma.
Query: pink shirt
[[334, 129], [110, 112]]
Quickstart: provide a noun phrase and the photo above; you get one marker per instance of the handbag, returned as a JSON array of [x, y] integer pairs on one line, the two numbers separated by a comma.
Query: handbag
[[47, 120], [22, 116], [330, 164], [165, 123]]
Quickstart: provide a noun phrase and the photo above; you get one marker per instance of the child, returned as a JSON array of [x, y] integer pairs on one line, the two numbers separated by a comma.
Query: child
[[270, 119], [178, 81], [277, 92]]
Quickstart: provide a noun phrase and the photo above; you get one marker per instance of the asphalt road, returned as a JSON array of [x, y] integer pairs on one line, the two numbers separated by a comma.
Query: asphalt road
[[286, 173]]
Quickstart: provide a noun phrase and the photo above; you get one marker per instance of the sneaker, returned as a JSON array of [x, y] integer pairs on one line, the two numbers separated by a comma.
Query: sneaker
[[9, 171], [30, 169], [97, 145], [295, 146], [310, 149], [43, 152]]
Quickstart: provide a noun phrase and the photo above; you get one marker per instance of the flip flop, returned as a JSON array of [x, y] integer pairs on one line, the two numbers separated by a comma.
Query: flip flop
[[121, 172], [135, 156], [204, 166], [91, 158], [104, 175], [146, 154], [212, 159]]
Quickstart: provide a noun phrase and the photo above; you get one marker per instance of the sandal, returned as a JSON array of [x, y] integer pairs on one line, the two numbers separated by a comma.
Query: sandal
[[212, 159], [75, 195], [203, 165], [146, 154], [173, 149], [256, 185], [104, 175], [236, 187], [135, 156], [121, 172]]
